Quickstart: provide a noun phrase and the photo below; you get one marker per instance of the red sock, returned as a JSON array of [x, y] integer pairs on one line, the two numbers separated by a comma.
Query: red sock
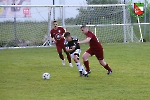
[[69, 58], [107, 67], [86, 64]]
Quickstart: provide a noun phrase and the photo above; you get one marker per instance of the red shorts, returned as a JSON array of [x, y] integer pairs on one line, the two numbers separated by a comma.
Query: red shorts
[[59, 48], [98, 53]]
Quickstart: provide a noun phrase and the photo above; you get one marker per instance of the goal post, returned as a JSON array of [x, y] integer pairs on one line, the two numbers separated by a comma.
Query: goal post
[[26, 31], [111, 23], [48, 39]]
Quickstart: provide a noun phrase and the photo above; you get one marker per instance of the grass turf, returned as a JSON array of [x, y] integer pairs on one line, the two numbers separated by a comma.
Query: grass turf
[[21, 75]]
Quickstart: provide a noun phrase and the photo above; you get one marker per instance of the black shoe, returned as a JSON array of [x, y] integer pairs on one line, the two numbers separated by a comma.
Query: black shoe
[[86, 75], [109, 72], [80, 73], [88, 72]]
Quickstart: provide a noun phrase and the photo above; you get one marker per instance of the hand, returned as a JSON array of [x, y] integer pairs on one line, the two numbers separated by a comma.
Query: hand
[[55, 42], [73, 47], [67, 50], [62, 36]]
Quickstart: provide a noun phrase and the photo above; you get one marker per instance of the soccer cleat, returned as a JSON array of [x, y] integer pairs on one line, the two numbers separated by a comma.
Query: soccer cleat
[[88, 72], [70, 64], [109, 72], [80, 73], [63, 62], [86, 75]]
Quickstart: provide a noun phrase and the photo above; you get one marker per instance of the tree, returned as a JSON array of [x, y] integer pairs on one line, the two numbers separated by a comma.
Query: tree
[[96, 15]]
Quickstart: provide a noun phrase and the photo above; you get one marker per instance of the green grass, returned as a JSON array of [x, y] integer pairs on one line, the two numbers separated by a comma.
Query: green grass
[[21, 75]]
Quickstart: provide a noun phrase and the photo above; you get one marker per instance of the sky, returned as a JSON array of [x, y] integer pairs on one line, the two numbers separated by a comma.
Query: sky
[[38, 13], [71, 11], [57, 2], [67, 2], [42, 13]]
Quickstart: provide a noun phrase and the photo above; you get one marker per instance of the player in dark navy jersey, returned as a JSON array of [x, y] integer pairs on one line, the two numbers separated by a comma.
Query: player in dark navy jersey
[[73, 48]]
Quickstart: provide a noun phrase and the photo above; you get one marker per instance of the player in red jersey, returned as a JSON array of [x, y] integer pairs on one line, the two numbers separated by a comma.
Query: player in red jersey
[[95, 49], [58, 38]]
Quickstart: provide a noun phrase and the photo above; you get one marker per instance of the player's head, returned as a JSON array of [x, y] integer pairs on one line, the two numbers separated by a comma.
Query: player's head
[[55, 24], [67, 36], [84, 29]]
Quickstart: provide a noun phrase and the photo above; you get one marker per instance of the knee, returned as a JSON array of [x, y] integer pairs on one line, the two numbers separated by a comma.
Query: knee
[[102, 62], [76, 59], [84, 58]]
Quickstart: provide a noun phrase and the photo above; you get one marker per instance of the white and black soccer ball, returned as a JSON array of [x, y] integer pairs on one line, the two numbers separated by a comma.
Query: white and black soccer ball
[[46, 76]]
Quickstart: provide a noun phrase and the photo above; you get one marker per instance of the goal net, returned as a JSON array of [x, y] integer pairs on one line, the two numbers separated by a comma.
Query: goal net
[[27, 27], [110, 23]]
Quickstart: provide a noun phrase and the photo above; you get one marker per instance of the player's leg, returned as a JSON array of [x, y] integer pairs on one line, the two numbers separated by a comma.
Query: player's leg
[[68, 57], [100, 56], [59, 50], [79, 65], [85, 57], [77, 62], [106, 66]]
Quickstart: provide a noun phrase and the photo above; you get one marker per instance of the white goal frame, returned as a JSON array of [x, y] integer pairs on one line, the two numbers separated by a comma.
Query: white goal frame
[[48, 42]]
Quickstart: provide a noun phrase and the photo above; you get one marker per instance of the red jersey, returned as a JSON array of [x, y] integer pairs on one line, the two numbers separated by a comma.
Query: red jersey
[[94, 42], [56, 34]]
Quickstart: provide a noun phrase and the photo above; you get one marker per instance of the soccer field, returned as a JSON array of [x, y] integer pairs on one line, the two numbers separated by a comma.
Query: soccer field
[[21, 75]]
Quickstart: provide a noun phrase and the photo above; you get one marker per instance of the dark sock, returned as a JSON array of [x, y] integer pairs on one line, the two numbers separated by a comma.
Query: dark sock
[[107, 67], [61, 57], [86, 64], [69, 58]]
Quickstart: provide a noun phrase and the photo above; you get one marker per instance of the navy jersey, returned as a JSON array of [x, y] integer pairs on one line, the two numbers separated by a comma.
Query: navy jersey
[[70, 44]]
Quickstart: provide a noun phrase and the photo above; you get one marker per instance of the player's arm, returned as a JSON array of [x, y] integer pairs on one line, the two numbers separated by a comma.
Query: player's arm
[[87, 40], [53, 37], [67, 47], [54, 40], [70, 50], [62, 36]]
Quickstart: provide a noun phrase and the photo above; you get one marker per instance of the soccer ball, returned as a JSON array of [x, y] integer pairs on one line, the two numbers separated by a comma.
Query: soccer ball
[[46, 76]]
